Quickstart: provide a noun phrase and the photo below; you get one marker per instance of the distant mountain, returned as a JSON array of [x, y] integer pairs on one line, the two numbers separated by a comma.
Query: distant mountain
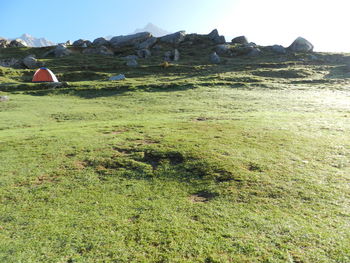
[[35, 42], [153, 29]]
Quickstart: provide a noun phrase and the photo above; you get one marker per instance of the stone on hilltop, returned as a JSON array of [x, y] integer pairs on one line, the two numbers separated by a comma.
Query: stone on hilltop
[[147, 43], [216, 38], [82, 43], [175, 38], [101, 41], [278, 49], [301, 45], [240, 40], [129, 40]]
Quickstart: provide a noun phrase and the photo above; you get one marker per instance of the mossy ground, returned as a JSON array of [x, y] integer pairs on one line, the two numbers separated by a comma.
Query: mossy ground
[[247, 161]]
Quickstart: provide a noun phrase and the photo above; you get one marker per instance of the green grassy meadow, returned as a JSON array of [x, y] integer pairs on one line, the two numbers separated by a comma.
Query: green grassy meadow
[[247, 161]]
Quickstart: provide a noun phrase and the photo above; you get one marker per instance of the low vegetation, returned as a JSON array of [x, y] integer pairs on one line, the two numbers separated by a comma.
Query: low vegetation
[[245, 161]]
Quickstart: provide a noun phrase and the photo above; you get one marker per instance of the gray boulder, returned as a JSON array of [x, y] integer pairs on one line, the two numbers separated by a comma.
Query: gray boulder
[[59, 51], [82, 43], [17, 43], [102, 50], [144, 53], [130, 40], [254, 52], [4, 98], [101, 41], [149, 43], [214, 58], [240, 40], [132, 63], [118, 77], [216, 38], [175, 38], [11, 63], [278, 49], [223, 49], [301, 45], [31, 62], [170, 56]]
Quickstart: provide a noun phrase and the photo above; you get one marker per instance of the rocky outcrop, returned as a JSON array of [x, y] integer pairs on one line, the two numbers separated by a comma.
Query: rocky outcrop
[[17, 43], [301, 45], [175, 38], [214, 58], [59, 51], [4, 43], [240, 40], [130, 40], [101, 41], [82, 43], [216, 38], [149, 43], [278, 49], [11, 63]]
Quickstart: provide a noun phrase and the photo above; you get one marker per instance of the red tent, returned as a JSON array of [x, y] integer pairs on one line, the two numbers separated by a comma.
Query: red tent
[[44, 75]]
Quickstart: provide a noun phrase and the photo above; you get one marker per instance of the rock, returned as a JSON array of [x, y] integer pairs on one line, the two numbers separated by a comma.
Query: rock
[[175, 38], [4, 98], [4, 43], [31, 62], [101, 41], [223, 49], [214, 58], [147, 44], [132, 63], [68, 43], [118, 77], [17, 43], [144, 53], [102, 50], [244, 50], [278, 49], [11, 63], [82, 43], [172, 55], [240, 40], [59, 51], [130, 40], [254, 52], [301, 45], [216, 38]]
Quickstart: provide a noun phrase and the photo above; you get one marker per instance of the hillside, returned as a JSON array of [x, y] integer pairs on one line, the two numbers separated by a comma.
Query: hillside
[[246, 160]]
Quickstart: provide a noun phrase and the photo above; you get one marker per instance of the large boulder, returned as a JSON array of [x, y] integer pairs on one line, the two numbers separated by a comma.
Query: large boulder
[[102, 50], [278, 49], [173, 55], [130, 40], [223, 49], [59, 51], [175, 38], [301, 45], [216, 38], [132, 63], [82, 43], [31, 62], [17, 43], [11, 63], [101, 41], [147, 44], [240, 40], [214, 58]]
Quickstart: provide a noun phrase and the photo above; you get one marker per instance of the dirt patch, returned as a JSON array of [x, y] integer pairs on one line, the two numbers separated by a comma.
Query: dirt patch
[[202, 196], [79, 165]]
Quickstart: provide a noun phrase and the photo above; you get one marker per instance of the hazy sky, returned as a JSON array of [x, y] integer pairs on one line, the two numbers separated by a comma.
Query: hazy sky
[[323, 22]]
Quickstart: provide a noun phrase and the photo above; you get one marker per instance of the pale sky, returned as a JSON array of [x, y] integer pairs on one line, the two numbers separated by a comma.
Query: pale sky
[[324, 22]]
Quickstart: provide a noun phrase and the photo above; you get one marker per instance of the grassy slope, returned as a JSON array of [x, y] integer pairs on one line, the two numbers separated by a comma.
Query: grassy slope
[[242, 162]]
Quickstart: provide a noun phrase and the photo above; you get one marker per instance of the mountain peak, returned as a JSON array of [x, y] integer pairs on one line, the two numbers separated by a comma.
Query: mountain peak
[[153, 29]]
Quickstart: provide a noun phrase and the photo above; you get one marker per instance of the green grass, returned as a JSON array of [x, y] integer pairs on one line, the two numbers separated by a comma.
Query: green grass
[[247, 161]]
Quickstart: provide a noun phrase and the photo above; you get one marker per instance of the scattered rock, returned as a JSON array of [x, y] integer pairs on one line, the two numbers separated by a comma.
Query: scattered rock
[[31, 62], [240, 40], [216, 38], [144, 53], [175, 38], [223, 49], [11, 63], [102, 50], [214, 58], [101, 41], [278, 49], [147, 44], [82, 43], [17, 43], [118, 77], [4, 98], [301, 45], [130, 40], [132, 63], [172, 55]]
